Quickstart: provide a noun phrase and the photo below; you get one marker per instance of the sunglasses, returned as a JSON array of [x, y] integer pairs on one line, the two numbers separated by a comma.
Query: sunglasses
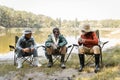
[[56, 32], [83, 31]]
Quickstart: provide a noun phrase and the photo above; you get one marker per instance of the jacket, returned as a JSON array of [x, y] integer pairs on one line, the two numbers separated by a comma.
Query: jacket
[[62, 41], [23, 43], [90, 39]]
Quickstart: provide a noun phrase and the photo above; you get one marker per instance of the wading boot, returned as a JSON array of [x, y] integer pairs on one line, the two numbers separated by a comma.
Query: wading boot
[[81, 60], [50, 63], [97, 67]]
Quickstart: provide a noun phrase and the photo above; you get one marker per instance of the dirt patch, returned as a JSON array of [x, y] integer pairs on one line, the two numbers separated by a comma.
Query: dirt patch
[[66, 74]]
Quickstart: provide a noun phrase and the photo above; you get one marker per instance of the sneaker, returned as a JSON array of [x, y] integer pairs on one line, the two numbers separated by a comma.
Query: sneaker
[[39, 65], [50, 64], [63, 66], [80, 69], [19, 66]]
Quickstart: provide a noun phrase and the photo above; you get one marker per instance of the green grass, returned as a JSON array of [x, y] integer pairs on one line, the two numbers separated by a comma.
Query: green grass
[[112, 57], [110, 69], [108, 73]]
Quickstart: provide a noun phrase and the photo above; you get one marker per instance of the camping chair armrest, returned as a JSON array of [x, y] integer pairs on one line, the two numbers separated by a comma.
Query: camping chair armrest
[[75, 45], [45, 46], [11, 47], [69, 46], [40, 46], [103, 43]]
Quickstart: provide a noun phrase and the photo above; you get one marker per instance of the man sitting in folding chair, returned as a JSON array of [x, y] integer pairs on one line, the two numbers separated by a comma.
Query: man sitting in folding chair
[[56, 44], [26, 46], [88, 43]]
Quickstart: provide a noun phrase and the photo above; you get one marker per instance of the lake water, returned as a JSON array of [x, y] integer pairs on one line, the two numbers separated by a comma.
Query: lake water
[[8, 38], [71, 40]]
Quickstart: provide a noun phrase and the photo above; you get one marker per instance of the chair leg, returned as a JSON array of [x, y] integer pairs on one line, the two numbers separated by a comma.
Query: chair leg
[[15, 59], [81, 60]]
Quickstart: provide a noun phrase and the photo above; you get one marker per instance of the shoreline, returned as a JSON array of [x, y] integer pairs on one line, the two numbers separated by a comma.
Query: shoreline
[[110, 44]]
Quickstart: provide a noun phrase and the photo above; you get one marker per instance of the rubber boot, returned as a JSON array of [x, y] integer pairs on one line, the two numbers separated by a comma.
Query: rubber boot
[[81, 60], [36, 62], [97, 60], [62, 61], [19, 61], [50, 63]]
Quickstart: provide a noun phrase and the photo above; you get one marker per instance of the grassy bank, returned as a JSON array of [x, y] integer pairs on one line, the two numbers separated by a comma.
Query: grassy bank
[[109, 71]]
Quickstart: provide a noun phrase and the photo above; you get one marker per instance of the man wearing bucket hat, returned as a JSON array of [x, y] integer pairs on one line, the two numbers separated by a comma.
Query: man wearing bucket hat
[[56, 43], [26, 46], [88, 43]]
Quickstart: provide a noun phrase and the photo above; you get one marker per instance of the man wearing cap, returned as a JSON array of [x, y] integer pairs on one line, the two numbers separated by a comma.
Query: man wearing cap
[[56, 43], [88, 43], [26, 46]]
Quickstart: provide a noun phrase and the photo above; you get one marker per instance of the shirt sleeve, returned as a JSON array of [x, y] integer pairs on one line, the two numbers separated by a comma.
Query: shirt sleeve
[[18, 47], [34, 43], [64, 41], [49, 41]]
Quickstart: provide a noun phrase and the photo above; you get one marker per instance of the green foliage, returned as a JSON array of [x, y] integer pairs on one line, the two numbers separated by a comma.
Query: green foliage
[[12, 18], [110, 23]]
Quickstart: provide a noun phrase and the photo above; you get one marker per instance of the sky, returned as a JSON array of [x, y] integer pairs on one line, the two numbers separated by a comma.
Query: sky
[[69, 9]]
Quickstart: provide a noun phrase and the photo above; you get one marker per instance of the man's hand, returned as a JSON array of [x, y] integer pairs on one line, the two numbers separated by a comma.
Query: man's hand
[[58, 47], [26, 50], [32, 49], [81, 40], [54, 46]]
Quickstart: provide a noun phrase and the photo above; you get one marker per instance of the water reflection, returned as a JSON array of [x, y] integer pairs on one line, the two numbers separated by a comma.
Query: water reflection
[[8, 37], [71, 40]]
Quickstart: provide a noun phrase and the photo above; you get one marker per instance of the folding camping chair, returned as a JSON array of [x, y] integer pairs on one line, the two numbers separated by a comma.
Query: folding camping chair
[[90, 57], [56, 56], [26, 58]]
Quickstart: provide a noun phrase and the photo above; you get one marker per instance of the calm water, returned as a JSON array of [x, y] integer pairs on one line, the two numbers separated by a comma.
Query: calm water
[[8, 38], [71, 40]]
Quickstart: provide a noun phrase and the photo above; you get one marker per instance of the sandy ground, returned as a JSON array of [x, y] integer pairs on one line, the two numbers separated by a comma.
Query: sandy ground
[[66, 74], [33, 74]]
